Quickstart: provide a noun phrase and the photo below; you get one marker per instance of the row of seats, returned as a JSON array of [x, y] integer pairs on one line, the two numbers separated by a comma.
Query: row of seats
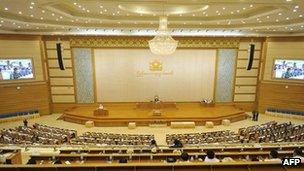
[[15, 114], [270, 132], [112, 139], [285, 111]]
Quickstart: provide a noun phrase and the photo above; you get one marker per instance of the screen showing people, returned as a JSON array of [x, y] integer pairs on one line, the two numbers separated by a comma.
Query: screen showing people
[[16, 69], [289, 69]]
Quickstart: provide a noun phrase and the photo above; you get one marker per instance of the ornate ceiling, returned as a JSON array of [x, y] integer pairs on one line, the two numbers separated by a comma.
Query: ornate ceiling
[[134, 17]]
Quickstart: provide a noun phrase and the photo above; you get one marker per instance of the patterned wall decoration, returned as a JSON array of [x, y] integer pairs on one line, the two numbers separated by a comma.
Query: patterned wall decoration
[[225, 75], [84, 75], [142, 42]]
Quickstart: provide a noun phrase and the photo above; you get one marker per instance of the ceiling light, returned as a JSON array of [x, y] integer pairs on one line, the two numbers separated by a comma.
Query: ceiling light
[[2, 21], [288, 0], [19, 26], [280, 14], [277, 20], [251, 6], [193, 15], [294, 10], [244, 8], [53, 14], [287, 18], [100, 12], [88, 10], [224, 8], [0, 25], [163, 44], [6, 9], [297, 6], [302, 26], [105, 10], [237, 11], [267, 16], [300, 15], [20, 12], [41, 18], [31, 7], [32, 15], [32, 3], [100, 6], [60, 17], [232, 12], [43, 11], [75, 3]]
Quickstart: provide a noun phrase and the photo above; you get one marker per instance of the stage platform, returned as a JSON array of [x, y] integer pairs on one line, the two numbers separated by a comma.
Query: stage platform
[[120, 114]]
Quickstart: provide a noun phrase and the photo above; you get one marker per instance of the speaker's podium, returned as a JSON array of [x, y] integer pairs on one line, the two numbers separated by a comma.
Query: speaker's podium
[[100, 111]]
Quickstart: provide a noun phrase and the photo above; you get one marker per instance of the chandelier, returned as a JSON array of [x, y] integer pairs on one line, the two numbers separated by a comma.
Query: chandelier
[[163, 44]]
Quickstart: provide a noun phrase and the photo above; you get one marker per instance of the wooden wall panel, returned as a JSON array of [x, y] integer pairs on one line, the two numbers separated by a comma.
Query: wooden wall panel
[[61, 81], [244, 72], [244, 63], [61, 73], [244, 97], [244, 55], [28, 97], [52, 54], [52, 44], [245, 89], [246, 81], [62, 90], [54, 63], [63, 98], [281, 95]]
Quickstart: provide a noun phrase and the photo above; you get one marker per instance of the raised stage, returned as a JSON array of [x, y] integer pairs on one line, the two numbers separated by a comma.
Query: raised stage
[[120, 114]]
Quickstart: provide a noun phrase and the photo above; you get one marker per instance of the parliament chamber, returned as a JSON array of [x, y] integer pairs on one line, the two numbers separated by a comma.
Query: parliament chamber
[[173, 85]]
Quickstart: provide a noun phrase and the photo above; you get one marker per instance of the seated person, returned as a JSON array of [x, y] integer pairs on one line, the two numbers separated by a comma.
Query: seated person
[[100, 107], [211, 157], [185, 156], [177, 144], [156, 99], [153, 144], [298, 154], [31, 161], [273, 156]]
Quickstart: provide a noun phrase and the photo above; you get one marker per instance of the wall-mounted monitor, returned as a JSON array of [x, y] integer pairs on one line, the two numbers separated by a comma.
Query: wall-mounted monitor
[[288, 69], [16, 69]]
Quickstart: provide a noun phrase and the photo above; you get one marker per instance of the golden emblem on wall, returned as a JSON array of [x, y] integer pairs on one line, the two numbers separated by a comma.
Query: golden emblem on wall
[[156, 66]]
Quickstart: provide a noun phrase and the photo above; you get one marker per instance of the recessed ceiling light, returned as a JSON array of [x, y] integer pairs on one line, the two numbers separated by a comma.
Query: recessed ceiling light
[[14, 23], [113, 13], [300, 15], [53, 14], [88, 10], [267, 16], [217, 11], [287, 18], [302, 26], [237, 11], [294, 10], [41, 18], [32, 3], [244, 8], [75, 3], [277, 20], [288, 0], [60, 17], [200, 23], [193, 15], [32, 15], [231, 12], [6, 9], [20, 12], [31, 7], [43, 11], [100, 12], [2, 21], [251, 6], [184, 23], [100, 6], [224, 8], [105, 10], [19, 26]]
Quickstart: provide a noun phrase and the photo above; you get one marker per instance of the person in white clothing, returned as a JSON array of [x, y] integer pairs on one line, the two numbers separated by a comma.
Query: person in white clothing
[[211, 157]]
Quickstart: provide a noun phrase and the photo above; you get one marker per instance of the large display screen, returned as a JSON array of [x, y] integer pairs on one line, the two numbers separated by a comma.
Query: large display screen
[[289, 69], [16, 69]]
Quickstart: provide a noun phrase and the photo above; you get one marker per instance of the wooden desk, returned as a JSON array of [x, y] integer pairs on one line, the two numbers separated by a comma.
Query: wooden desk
[[155, 105], [101, 112]]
